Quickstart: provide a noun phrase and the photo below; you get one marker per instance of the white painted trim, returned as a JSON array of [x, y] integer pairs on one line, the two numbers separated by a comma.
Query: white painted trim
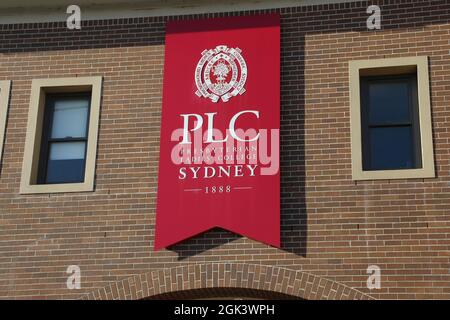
[[39, 87], [385, 66], [5, 88], [136, 9]]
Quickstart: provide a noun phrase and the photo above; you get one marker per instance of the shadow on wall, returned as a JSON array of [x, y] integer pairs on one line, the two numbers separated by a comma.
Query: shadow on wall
[[211, 239], [292, 144], [114, 33]]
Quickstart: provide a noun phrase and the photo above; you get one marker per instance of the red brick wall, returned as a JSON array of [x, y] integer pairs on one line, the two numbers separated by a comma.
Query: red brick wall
[[332, 227]]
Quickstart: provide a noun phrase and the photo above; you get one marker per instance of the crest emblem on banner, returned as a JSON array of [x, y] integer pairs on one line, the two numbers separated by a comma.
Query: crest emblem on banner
[[221, 74]]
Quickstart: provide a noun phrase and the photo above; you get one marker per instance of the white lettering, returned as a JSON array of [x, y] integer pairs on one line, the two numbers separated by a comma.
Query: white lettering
[[186, 126], [233, 121]]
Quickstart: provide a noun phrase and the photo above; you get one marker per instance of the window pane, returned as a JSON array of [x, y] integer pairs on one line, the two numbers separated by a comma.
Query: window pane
[[389, 103], [391, 148], [70, 118], [67, 150], [66, 162]]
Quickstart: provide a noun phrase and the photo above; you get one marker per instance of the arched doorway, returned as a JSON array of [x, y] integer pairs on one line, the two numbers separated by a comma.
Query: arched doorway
[[214, 276]]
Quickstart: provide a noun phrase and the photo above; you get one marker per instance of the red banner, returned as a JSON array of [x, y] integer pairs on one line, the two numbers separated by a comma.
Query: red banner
[[219, 155]]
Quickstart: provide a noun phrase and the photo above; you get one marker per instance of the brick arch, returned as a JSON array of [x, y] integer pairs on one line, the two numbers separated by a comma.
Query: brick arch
[[284, 281]]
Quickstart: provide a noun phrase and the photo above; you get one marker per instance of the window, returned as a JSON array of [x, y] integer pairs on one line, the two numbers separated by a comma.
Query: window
[[4, 101], [390, 123], [61, 141], [390, 119], [64, 138]]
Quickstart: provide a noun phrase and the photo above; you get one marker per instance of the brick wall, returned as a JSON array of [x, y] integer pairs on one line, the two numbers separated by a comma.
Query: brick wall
[[332, 227]]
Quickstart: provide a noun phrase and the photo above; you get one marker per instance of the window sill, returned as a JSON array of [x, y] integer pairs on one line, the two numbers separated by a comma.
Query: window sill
[[394, 174], [57, 188]]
